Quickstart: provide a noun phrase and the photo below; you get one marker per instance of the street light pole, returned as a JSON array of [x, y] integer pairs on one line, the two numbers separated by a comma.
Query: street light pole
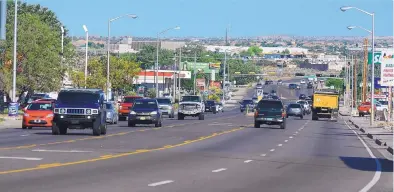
[[345, 8], [157, 59], [86, 52], [195, 72], [15, 52], [108, 48], [224, 74]]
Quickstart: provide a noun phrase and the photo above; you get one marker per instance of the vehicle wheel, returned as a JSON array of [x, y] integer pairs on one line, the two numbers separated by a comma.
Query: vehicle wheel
[[222, 111], [24, 127], [104, 129], [283, 125], [242, 111], [130, 124], [314, 117], [302, 117], [55, 129], [256, 124], [158, 124], [181, 117], [360, 115], [214, 111], [201, 116], [96, 127], [116, 120], [287, 116], [122, 118], [62, 129], [29, 127]]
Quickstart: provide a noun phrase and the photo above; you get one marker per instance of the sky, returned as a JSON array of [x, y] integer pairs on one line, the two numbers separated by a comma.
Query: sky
[[209, 18]]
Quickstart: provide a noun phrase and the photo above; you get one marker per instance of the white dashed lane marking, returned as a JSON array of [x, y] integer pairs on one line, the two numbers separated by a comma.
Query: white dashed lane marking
[[286, 141], [272, 150], [248, 161], [160, 183], [22, 158], [263, 155], [280, 145], [219, 170]]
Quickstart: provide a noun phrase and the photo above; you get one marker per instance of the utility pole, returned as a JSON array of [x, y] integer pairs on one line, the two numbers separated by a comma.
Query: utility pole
[[355, 82], [174, 78], [365, 70], [351, 74], [179, 73]]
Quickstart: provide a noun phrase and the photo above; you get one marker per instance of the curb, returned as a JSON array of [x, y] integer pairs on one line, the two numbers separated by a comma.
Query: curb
[[377, 141]]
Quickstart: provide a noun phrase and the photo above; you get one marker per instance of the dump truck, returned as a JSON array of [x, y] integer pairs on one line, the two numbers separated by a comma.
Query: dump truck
[[325, 104]]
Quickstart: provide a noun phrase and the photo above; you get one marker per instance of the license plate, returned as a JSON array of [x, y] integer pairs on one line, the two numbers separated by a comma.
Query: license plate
[[142, 118], [74, 121], [37, 121], [269, 119]]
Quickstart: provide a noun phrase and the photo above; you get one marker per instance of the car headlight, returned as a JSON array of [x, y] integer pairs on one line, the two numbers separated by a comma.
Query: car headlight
[[88, 111], [50, 115], [26, 115], [132, 113], [95, 111], [154, 113]]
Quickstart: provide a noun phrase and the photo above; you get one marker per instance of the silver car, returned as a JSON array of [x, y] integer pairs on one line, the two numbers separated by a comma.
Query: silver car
[[166, 106], [112, 116]]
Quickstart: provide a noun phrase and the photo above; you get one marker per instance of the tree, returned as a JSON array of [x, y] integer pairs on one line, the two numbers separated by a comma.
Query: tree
[[147, 57], [243, 68], [286, 52], [122, 72], [337, 83], [151, 93], [255, 51], [39, 64]]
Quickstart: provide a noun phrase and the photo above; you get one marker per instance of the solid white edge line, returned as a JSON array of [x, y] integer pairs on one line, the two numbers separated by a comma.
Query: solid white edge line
[[22, 158], [160, 183], [218, 170], [248, 161], [378, 170]]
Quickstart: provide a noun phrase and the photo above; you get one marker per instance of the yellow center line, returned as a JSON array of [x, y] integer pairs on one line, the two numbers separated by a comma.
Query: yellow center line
[[101, 137], [107, 157]]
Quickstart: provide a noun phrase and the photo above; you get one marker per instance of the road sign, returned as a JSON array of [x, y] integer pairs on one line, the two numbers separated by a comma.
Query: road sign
[[377, 59], [387, 72]]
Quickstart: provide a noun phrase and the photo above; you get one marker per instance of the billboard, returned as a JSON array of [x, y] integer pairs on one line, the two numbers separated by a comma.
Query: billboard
[[214, 65], [215, 84], [387, 70], [200, 82]]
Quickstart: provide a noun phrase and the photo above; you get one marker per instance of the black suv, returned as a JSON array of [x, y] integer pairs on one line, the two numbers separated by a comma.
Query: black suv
[[80, 109], [270, 112], [210, 106]]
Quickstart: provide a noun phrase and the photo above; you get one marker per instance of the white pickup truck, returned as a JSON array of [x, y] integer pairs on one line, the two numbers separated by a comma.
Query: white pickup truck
[[191, 105]]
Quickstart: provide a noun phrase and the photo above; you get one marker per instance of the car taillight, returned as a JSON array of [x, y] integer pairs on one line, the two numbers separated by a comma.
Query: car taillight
[[283, 113]]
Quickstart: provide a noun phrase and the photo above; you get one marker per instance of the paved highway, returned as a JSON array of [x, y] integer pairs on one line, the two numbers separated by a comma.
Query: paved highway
[[222, 153]]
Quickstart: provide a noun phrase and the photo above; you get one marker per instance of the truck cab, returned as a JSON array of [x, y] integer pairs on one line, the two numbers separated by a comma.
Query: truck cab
[[125, 105], [80, 109]]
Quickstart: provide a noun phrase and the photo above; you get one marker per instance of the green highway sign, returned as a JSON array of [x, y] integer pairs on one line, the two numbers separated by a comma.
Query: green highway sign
[[378, 58]]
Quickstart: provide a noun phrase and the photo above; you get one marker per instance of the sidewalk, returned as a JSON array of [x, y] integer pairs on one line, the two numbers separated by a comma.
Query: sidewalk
[[381, 133], [9, 123]]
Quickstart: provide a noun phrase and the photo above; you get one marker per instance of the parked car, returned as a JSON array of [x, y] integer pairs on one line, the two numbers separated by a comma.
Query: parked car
[[112, 116]]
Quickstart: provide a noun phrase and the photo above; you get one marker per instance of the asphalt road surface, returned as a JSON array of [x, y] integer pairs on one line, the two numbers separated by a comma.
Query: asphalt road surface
[[222, 153]]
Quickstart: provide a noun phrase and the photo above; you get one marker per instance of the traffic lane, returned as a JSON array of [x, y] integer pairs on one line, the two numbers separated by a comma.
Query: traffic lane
[[192, 162], [322, 147], [322, 156], [20, 137], [141, 139]]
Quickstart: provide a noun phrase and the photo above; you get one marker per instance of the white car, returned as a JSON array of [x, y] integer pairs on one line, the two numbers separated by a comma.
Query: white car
[[382, 105], [303, 81]]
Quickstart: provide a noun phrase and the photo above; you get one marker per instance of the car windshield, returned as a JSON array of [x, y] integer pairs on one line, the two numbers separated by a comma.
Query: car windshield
[[294, 106], [301, 102], [247, 102], [210, 102], [109, 106], [40, 106], [191, 99], [384, 102], [270, 104], [130, 99], [145, 104], [164, 101], [78, 97]]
